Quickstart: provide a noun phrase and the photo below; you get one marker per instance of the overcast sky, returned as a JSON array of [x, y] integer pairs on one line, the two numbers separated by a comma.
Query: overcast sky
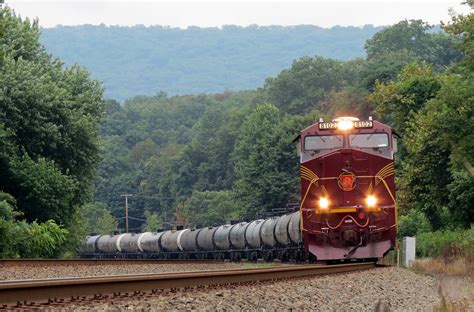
[[218, 13]]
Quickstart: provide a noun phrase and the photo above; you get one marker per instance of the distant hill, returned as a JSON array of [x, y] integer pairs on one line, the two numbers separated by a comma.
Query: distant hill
[[144, 60]]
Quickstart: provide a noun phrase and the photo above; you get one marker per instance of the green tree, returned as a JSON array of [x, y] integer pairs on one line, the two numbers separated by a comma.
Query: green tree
[[153, 222], [211, 208], [106, 224], [414, 36], [299, 89], [385, 67], [434, 113], [397, 101], [43, 240], [265, 160], [413, 223], [462, 28], [28, 240], [49, 122]]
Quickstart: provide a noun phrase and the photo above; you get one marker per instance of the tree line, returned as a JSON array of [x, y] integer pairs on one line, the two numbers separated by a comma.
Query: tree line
[[141, 60]]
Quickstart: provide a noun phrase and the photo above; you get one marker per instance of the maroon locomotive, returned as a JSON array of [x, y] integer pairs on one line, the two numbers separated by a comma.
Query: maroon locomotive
[[348, 206]]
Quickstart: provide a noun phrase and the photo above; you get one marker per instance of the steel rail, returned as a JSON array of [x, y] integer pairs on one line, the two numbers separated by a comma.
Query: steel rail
[[22, 292], [34, 262]]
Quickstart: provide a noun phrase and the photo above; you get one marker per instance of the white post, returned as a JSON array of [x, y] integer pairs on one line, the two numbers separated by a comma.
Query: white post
[[409, 250]]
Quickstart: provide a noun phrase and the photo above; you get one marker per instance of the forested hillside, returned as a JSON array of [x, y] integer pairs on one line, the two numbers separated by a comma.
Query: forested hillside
[[216, 157], [145, 60]]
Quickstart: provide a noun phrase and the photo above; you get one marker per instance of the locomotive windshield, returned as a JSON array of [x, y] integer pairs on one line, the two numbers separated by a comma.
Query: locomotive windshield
[[313, 143], [371, 140]]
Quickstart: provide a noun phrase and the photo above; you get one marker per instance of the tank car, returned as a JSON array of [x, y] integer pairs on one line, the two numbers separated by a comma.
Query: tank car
[[348, 205]]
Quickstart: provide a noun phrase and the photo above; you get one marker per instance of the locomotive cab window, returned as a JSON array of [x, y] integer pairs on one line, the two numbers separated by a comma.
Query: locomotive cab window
[[314, 143], [370, 140]]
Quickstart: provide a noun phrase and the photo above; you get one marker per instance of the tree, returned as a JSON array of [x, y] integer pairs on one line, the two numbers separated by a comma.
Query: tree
[[49, 122], [414, 37], [153, 222], [385, 67], [106, 224], [434, 113], [211, 208], [462, 28], [397, 101], [299, 89], [28, 240], [265, 160]]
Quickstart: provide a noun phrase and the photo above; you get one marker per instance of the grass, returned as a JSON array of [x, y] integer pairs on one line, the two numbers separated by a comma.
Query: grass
[[460, 266], [448, 305], [453, 268]]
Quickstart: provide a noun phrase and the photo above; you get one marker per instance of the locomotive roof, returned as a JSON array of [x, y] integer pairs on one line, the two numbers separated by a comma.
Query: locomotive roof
[[366, 126]]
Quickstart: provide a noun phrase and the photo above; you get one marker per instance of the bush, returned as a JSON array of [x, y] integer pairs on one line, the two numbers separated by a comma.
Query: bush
[[443, 243], [413, 223], [43, 240], [28, 240]]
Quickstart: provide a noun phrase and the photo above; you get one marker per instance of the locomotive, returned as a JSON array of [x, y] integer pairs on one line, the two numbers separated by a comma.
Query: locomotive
[[348, 205], [347, 211]]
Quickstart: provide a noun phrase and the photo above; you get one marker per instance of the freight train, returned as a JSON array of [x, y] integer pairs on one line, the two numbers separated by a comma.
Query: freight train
[[276, 237], [347, 212]]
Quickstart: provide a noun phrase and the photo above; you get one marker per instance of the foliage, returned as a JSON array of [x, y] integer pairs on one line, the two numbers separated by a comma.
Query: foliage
[[430, 244], [211, 158], [49, 118], [414, 36], [199, 155], [266, 164], [462, 28], [211, 208], [196, 60], [28, 240], [43, 239], [9, 230], [413, 223], [152, 223], [96, 218], [300, 89], [397, 101], [106, 224], [434, 114]]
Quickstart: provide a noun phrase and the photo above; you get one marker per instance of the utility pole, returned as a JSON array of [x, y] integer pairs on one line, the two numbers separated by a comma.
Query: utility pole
[[126, 210]]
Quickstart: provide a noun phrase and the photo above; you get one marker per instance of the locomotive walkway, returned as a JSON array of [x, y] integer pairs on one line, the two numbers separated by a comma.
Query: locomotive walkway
[[28, 294]]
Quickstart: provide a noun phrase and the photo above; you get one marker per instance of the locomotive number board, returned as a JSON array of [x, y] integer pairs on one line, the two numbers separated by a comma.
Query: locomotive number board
[[355, 124]]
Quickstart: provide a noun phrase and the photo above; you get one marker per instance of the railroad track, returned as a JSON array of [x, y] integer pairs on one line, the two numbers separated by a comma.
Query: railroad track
[[26, 294], [40, 262]]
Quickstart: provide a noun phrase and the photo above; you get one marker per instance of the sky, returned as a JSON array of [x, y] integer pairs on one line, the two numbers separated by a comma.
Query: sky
[[243, 13]]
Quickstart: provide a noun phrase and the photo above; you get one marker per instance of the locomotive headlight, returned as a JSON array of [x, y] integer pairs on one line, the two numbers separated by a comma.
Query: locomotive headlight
[[371, 201], [323, 203], [344, 125]]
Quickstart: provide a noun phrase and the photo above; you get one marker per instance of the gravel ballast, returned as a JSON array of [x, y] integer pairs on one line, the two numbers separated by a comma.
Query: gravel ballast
[[381, 289], [22, 272]]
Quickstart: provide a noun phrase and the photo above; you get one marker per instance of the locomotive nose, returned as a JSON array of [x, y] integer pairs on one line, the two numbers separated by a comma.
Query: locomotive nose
[[350, 237]]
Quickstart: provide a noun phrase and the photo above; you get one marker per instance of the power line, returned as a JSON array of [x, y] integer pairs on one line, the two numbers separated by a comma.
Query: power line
[[147, 196]]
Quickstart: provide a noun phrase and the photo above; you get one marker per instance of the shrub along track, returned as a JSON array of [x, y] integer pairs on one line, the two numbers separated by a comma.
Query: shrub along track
[[31, 294]]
